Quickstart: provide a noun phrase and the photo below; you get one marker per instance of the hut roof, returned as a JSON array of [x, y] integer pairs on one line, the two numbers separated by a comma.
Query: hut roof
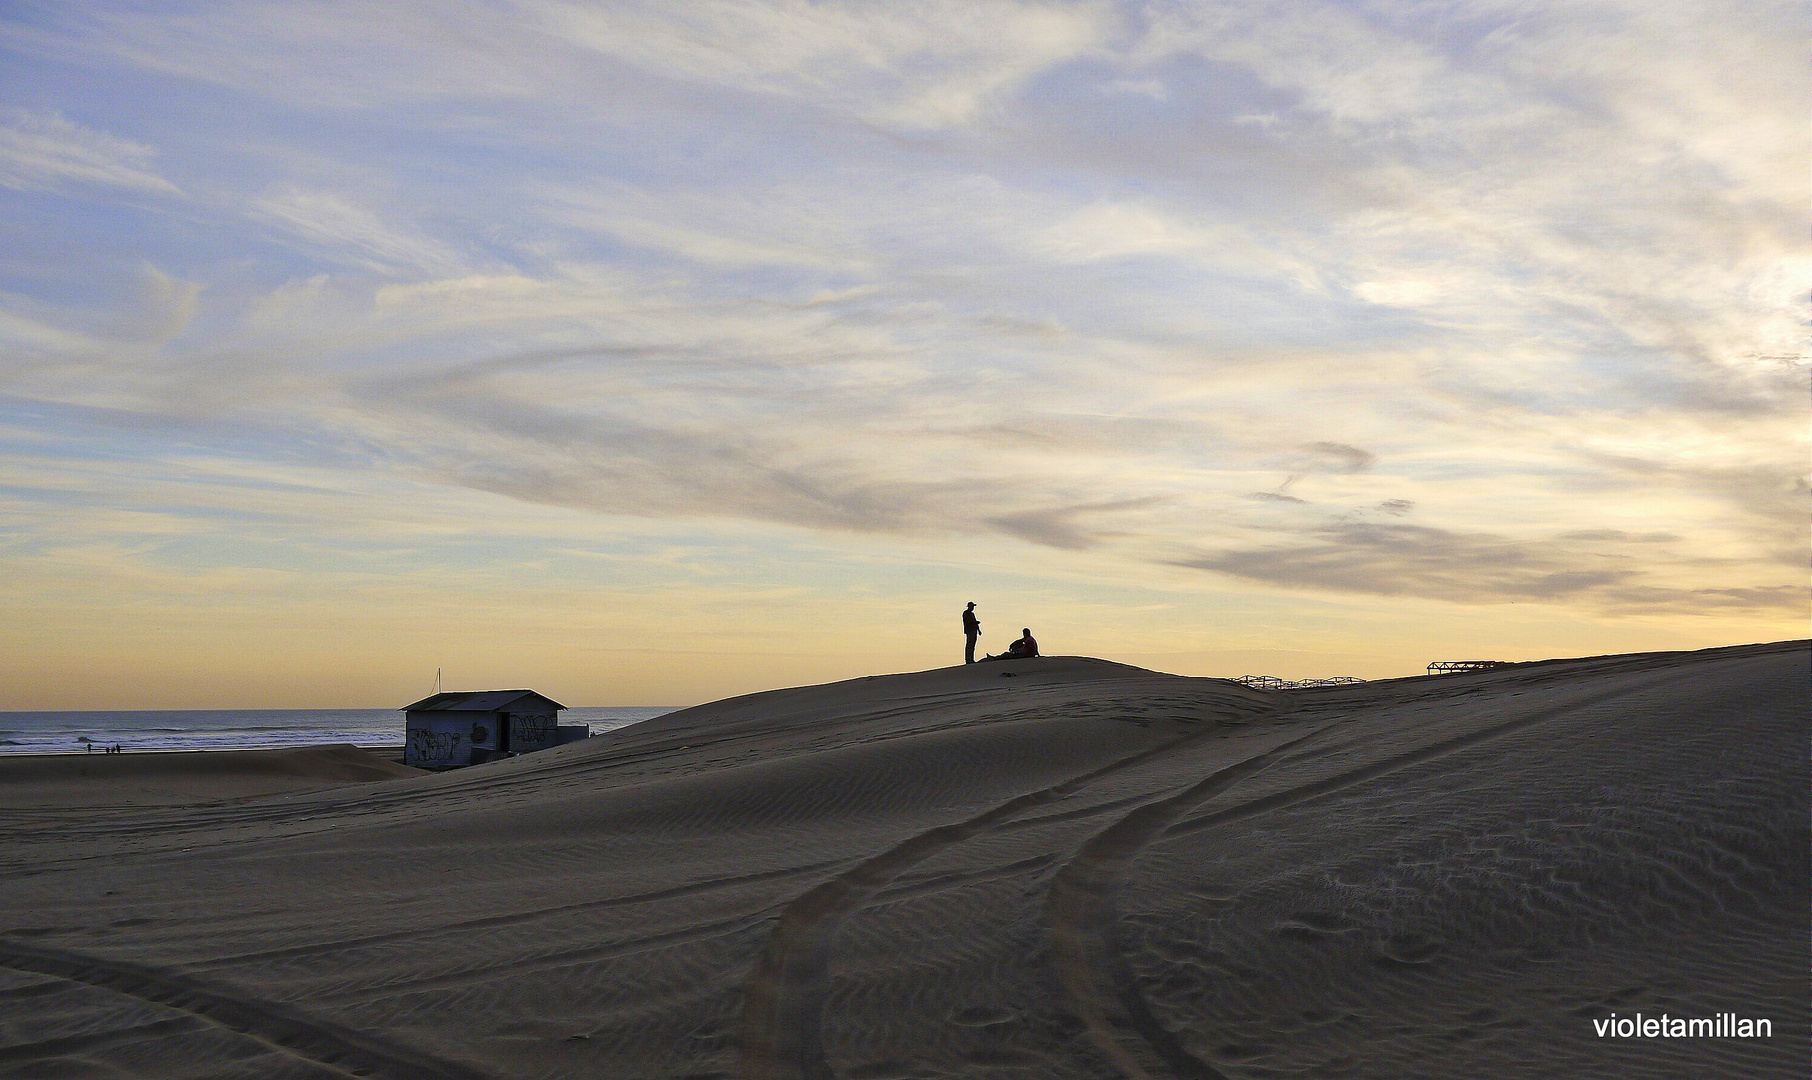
[[477, 701]]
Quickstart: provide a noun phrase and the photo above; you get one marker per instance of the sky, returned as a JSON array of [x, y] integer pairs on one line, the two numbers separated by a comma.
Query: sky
[[648, 353]]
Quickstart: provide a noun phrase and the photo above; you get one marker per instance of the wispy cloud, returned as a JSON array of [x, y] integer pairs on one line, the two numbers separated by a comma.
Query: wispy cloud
[[927, 63], [342, 228], [1594, 567], [42, 150]]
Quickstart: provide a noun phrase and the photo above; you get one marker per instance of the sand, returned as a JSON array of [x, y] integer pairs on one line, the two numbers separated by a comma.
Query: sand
[[1050, 869], [149, 778]]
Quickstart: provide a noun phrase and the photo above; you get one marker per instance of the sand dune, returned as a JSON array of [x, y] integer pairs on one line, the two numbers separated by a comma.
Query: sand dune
[[1065, 868]]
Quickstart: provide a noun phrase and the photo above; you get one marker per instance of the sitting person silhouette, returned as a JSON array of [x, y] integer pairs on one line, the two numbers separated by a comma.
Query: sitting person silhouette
[[1026, 646]]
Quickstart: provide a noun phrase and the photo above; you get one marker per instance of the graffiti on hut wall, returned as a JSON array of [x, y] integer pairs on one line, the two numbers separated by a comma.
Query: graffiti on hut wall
[[533, 731], [434, 746]]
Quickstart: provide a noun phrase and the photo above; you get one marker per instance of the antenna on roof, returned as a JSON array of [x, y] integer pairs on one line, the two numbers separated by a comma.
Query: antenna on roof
[[437, 680]]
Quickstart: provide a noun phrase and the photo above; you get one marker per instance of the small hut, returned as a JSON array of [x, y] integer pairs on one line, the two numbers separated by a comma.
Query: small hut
[[469, 727]]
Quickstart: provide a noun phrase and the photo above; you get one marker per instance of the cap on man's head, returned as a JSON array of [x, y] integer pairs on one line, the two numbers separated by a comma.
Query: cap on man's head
[[971, 603]]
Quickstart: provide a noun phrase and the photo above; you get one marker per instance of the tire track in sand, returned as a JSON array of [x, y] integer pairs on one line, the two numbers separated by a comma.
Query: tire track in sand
[[515, 918], [1079, 909], [1080, 903], [334, 1049], [781, 1029]]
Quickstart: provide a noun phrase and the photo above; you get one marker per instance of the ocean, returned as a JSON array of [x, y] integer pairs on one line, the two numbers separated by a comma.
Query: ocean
[[240, 729]]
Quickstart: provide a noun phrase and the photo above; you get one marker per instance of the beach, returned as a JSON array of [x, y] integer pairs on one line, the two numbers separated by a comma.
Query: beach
[[1051, 869], [127, 781]]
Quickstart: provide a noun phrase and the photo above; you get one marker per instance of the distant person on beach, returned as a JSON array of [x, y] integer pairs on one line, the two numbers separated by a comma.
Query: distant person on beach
[[1022, 649], [971, 631]]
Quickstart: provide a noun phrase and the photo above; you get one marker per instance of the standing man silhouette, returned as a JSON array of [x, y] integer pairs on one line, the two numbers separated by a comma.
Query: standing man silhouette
[[971, 631]]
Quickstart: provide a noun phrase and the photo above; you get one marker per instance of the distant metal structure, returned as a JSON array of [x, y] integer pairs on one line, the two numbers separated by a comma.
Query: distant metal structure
[[1448, 667], [1272, 682]]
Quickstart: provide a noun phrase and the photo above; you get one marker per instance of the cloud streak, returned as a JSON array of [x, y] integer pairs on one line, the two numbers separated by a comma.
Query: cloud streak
[[1592, 566], [41, 150]]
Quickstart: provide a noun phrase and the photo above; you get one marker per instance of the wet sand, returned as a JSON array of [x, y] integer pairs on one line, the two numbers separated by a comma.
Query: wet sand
[[1049, 869]]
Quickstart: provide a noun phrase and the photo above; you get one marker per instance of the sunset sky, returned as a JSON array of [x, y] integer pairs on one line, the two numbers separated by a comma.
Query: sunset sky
[[645, 353]]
